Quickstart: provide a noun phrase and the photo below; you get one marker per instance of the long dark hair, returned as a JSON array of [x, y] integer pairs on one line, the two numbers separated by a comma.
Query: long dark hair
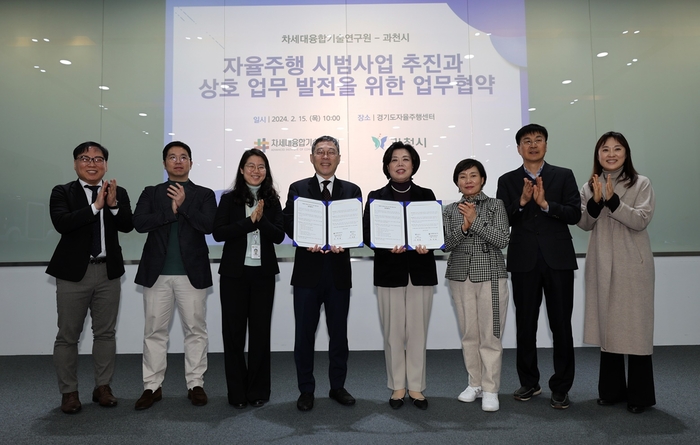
[[241, 192], [628, 171]]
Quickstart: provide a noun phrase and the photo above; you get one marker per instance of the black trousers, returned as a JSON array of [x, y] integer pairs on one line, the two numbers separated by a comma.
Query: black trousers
[[558, 287], [246, 305], [637, 389], [307, 309]]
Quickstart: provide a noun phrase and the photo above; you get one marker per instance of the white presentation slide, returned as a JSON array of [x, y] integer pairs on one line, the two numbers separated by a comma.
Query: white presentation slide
[[276, 76]]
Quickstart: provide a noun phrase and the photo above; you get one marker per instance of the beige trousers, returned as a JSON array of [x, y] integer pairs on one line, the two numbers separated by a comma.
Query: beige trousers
[[405, 313], [168, 292], [482, 351]]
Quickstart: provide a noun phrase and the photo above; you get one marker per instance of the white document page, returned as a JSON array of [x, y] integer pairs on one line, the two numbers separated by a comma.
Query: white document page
[[386, 222], [345, 223], [309, 222], [424, 224]]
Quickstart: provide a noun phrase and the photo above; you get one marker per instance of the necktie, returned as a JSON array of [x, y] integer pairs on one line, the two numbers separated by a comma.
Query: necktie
[[96, 247], [325, 192]]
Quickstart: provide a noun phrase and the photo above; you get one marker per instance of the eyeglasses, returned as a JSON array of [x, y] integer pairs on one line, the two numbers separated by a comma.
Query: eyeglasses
[[323, 153], [537, 141], [173, 158], [253, 167], [98, 160]]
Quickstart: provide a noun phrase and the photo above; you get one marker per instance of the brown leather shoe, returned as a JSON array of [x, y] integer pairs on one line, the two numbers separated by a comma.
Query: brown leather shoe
[[148, 398], [103, 395], [70, 403], [197, 396]]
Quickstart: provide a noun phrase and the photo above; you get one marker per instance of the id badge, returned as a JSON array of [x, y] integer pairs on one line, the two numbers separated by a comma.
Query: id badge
[[255, 248]]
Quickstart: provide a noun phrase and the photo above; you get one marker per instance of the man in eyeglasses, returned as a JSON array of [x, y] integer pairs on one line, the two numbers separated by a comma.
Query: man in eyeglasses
[[541, 200], [175, 271], [321, 278], [87, 265]]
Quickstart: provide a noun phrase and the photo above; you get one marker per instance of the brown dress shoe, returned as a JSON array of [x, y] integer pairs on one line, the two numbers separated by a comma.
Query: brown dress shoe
[[103, 395], [148, 398], [70, 403], [197, 396]]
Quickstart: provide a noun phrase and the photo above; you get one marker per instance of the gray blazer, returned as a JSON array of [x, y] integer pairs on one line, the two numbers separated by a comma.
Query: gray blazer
[[477, 254]]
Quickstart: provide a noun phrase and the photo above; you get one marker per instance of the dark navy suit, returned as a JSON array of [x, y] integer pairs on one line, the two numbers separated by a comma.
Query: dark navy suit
[[320, 279], [541, 257]]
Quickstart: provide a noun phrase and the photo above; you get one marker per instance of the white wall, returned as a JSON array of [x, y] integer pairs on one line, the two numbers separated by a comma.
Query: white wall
[[28, 312]]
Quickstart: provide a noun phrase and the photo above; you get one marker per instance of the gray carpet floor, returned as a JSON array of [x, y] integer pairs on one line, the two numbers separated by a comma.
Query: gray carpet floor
[[30, 414]]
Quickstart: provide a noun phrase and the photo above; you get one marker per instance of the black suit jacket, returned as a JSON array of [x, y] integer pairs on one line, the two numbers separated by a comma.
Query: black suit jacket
[[393, 270], [233, 226], [307, 265], [195, 217], [532, 229], [72, 217]]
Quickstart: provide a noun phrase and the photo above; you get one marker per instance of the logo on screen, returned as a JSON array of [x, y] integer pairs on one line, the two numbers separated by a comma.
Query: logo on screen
[[379, 141], [261, 144]]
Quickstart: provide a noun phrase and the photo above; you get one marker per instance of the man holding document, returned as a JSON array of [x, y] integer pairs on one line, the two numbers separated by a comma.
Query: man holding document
[[321, 275]]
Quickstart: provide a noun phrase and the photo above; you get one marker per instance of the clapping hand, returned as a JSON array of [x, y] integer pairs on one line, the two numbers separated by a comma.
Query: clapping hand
[[538, 194], [609, 188], [526, 196], [176, 192], [110, 190], [258, 212], [468, 211]]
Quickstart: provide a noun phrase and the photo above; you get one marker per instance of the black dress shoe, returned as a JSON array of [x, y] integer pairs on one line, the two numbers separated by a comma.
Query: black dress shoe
[[396, 403], [636, 409], [148, 398], [238, 405], [257, 403], [559, 400], [604, 402], [197, 396], [419, 403], [525, 393], [70, 403], [341, 396], [305, 401], [103, 395]]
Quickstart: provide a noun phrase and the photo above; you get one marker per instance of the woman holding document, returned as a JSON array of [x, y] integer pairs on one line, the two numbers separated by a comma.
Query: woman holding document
[[404, 280], [249, 221], [476, 229]]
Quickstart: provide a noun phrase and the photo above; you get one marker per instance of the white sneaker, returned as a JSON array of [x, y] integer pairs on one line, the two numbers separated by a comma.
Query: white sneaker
[[489, 402], [470, 394]]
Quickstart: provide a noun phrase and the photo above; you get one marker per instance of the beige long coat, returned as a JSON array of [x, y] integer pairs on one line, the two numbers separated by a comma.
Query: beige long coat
[[619, 276]]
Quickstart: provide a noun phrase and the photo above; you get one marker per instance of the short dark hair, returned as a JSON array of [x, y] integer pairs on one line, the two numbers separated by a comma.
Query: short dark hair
[[241, 192], [628, 170], [327, 139], [177, 144], [466, 164], [386, 160], [85, 146], [531, 129]]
